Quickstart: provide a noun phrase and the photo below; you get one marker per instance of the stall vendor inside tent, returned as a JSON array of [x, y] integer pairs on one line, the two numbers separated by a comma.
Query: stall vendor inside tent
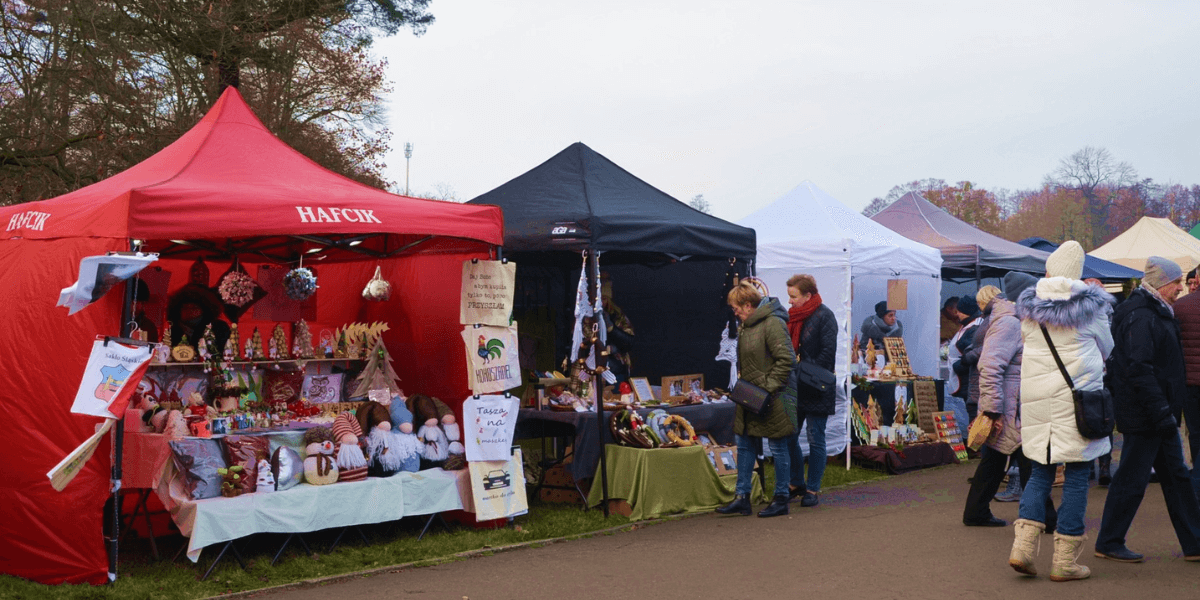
[[880, 325], [194, 307], [620, 332]]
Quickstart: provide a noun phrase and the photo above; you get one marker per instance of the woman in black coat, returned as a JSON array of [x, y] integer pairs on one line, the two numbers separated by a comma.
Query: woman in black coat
[[813, 330]]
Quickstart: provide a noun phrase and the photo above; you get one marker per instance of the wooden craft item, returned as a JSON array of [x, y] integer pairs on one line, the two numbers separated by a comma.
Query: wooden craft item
[[925, 401]]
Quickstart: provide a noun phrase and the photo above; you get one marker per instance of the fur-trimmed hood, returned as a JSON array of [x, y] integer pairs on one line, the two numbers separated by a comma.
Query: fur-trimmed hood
[[1063, 302]]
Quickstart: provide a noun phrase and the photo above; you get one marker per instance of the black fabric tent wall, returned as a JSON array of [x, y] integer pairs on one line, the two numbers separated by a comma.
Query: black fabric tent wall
[[1098, 268], [667, 261]]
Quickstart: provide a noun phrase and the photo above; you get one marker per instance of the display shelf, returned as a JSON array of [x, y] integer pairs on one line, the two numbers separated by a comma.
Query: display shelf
[[290, 361]]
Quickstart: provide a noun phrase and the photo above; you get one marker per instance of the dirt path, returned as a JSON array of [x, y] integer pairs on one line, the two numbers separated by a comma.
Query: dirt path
[[900, 538]]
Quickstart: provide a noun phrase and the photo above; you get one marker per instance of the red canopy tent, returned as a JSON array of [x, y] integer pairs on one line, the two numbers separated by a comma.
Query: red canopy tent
[[227, 188]]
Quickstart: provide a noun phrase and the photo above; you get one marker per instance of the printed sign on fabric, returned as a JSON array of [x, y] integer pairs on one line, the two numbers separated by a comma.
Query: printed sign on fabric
[[498, 488], [487, 292], [488, 425], [493, 364]]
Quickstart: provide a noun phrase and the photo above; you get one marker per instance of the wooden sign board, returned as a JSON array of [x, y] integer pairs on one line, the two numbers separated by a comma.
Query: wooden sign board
[[925, 395], [897, 294]]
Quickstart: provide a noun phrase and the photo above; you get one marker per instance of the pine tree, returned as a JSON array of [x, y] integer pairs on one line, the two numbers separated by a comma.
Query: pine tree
[[378, 374]]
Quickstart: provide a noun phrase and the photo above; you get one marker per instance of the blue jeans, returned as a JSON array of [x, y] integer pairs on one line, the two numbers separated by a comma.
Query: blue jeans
[[1074, 496], [747, 451], [816, 452]]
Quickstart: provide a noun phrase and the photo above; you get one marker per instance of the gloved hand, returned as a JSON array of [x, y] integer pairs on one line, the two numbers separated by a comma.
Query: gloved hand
[[1167, 425]]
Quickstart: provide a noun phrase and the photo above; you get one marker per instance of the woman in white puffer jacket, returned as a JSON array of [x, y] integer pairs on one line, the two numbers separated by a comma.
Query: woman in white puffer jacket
[[1076, 315]]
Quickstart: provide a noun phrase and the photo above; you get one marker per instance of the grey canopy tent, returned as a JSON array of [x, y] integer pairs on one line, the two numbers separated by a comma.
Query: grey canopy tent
[[967, 252]]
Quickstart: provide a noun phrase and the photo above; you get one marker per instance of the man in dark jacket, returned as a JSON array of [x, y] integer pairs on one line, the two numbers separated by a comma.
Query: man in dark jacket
[[1187, 312], [1147, 377]]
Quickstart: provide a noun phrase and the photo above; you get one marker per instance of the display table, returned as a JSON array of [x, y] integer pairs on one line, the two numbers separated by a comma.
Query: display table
[[666, 481], [884, 393], [911, 458], [715, 418]]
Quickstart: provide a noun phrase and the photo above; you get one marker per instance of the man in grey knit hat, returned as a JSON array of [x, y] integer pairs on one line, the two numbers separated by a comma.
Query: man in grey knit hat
[[1149, 386]]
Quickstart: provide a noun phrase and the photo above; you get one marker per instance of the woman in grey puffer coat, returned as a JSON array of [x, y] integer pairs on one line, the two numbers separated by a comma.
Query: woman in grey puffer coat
[[1000, 398]]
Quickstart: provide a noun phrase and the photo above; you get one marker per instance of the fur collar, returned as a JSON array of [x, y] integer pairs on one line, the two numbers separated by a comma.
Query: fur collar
[[1063, 302]]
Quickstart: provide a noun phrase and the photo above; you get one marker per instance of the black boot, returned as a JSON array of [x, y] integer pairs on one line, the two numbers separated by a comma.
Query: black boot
[[777, 507], [1105, 470], [739, 506]]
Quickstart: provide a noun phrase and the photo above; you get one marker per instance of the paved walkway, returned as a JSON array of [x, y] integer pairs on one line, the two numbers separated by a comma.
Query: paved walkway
[[899, 538]]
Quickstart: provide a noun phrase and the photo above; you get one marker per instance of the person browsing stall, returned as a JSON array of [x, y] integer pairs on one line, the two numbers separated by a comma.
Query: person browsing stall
[[813, 331], [765, 358]]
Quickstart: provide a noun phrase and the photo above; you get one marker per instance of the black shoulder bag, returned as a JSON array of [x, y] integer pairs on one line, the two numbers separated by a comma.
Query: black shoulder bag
[[1093, 409]]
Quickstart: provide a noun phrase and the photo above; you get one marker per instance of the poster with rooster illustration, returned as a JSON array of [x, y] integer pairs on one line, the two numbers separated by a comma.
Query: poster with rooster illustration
[[487, 292], [493, 363]]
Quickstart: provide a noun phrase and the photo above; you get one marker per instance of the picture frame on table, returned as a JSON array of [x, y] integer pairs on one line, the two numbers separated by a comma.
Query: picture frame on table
[[675, 388], [641, 389], [695, 383], [705, 439], [723, 459]]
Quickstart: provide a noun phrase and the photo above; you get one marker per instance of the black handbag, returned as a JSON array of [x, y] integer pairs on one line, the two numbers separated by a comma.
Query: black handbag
[[815, 376], [1094, 414], [750, 396]]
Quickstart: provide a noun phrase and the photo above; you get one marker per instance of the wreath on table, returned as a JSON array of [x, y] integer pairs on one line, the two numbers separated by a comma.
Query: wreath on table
[[628, 428], [679, 431]]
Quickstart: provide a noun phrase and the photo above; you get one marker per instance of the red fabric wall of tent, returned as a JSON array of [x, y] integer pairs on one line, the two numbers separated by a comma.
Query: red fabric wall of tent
[[227, 185]]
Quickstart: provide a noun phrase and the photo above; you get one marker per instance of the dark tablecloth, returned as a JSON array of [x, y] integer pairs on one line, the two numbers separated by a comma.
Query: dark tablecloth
[[919, 456], [716, 419]]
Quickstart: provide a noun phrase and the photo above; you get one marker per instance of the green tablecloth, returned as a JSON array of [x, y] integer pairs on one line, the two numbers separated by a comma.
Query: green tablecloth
[[665, 481]]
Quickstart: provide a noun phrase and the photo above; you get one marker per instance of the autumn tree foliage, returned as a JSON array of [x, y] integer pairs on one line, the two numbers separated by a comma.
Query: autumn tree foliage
[[89, 88], [970, 204]]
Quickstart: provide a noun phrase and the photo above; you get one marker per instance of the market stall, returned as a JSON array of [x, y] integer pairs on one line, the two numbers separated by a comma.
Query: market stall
[[1151, 236], [579, 213], [230, 193], [856, 263]]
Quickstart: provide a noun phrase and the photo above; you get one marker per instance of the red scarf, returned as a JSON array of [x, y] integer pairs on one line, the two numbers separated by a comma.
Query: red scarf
[[797, 315]]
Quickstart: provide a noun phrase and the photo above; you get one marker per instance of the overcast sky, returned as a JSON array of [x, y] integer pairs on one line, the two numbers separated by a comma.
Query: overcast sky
[[741, 101]]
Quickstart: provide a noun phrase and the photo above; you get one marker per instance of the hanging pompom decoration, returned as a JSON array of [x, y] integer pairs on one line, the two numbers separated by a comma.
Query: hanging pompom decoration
[[237, 288], [378, 289], [299, 284]]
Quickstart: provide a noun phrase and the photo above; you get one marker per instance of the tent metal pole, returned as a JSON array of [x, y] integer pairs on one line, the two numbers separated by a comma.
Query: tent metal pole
[[978, 279], [598, 390], [119, 435]]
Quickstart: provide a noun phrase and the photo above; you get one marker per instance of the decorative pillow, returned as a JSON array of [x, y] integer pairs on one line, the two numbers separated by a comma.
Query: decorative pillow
[[288, 468], [247, 450], [323, 388], [282, 386], [291, 439], [197, 461]]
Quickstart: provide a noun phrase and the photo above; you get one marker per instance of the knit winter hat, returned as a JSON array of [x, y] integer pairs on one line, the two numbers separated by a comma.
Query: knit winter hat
[[1015, 283], [881, 308], [1161, 271], [985, 295], [1067, 261], [968, 306]]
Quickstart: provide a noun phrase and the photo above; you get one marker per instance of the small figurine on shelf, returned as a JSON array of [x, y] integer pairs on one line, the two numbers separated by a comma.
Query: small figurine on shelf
[[302, 341], [231, 480], [233, 345], [870, 354], [280, 341], [256, 347], [266, 479], [343, 348], [183, 352]]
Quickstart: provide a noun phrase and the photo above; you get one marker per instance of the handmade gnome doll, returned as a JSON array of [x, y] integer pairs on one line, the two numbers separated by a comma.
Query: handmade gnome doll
[[389, 450], [174, 425], [352, 464], [438, 430], [319, 466], [266, 479], [405, 442]]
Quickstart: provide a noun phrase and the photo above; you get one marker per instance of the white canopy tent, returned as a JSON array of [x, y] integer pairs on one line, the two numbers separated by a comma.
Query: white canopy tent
[[852, 258]]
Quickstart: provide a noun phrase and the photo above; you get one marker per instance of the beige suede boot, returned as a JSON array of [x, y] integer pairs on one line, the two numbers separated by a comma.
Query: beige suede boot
[[1067, 549], [1025, 546]]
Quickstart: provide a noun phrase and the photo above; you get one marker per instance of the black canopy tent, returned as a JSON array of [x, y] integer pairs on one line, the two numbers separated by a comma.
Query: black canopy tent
[[668, 262], [1097, 268]]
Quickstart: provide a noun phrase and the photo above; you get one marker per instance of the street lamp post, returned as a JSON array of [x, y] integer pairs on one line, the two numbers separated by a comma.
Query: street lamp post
[[407, 156]]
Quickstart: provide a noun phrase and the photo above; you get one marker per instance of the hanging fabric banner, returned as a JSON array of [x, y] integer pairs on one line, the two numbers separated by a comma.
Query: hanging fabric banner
[[493, 363], [498, 488], [487, 292], [112, 374], [97, 275], [488, 425]]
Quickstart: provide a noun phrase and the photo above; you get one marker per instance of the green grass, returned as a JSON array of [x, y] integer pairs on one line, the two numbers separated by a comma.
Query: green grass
[[391, 544]]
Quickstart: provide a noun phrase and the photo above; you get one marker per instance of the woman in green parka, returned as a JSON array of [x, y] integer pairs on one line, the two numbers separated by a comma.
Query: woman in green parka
[[765, 357]]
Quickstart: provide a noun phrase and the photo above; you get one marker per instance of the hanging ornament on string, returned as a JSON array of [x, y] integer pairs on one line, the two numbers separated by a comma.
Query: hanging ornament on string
[[237, 288], [300, 283]]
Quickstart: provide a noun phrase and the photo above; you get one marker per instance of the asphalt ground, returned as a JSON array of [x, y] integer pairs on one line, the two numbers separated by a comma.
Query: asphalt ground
[[898, 538]]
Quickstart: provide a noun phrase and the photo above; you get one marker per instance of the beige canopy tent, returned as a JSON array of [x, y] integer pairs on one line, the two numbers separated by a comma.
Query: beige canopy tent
[[1151, 236]]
